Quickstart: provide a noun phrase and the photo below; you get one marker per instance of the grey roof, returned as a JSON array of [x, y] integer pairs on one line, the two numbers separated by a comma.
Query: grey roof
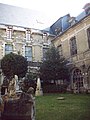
[[12, 15], [60, 25], [80, 16]]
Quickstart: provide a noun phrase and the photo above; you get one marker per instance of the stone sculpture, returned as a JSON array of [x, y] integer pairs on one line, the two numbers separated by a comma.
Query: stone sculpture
[[39, 91], [20, 108]]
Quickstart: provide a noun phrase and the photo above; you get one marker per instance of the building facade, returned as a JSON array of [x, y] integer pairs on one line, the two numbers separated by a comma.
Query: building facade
[[74, 45], [30, 43], [21, 33], [70, 34]]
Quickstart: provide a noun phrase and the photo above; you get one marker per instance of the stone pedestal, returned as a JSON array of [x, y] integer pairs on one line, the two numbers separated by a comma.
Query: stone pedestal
[[15, 110], [19, 108]]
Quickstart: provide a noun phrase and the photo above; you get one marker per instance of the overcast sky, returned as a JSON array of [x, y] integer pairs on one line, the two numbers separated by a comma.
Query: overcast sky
[[52, 8]]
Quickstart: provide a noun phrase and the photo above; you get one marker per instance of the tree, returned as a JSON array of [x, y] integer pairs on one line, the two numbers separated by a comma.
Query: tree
[[13, 64], [54, 67]]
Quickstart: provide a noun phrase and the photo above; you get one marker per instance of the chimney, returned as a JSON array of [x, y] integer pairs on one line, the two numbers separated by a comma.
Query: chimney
[[87, 8]]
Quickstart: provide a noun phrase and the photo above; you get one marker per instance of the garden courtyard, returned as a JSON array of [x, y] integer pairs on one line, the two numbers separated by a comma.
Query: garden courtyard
[[73, 107]]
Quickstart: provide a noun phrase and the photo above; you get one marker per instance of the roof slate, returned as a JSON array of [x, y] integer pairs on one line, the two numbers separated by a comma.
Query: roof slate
[[12, 15]]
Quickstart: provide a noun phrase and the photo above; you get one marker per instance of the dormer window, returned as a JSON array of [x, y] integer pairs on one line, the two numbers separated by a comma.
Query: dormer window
[[28, 34], [9, 32], [58, 30], [72, 20]]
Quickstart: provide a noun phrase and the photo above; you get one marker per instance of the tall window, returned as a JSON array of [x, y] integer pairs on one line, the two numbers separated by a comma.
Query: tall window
[[28, 53], [28, 34], [9, 32], [78, 78], [45, 37], [45, 49], [60, 50], [73, 46], [8, 48], [88, 35]]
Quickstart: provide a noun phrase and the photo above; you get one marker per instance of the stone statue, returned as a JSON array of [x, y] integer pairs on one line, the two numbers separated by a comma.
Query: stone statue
[[12, 87], [27, 95], [16, 83]]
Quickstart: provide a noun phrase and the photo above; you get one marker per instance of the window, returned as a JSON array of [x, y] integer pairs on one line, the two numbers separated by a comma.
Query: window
[[73, 46], [88, 35], [60, 50], [8, 48], [45, 37], [28, 53], [78, 78], [45, 49], [9, 32], [28, 34]]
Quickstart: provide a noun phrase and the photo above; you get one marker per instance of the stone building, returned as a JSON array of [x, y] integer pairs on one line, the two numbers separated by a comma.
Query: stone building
[[74, 44], [17, 35]]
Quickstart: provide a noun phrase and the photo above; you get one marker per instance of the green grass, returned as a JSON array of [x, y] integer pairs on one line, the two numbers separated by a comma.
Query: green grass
[[74, 107]]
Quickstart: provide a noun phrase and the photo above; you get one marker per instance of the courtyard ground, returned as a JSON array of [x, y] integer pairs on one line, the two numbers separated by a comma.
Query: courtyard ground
[[73, 107]]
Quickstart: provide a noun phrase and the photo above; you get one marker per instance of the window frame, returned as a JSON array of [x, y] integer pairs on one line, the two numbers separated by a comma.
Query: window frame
[[28, 35], [27, 52], [10, 50], [88, 36], [9, 31], [73, 46], [45, 49], [60, 50], [78, 78]]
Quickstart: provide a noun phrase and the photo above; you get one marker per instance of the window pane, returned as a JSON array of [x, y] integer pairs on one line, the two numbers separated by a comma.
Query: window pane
[[28, 53], [44, 53], [73, 46], [9, 33], [8, 49], [28, 35]]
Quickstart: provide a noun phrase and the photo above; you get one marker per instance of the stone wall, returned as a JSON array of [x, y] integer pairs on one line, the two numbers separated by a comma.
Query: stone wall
[[79, 30]]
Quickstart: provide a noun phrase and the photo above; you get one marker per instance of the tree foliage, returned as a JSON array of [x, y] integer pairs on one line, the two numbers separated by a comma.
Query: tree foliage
[[54, 67], [13, 64]]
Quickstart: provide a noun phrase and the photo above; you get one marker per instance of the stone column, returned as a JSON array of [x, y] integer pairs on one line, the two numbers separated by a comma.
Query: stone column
[[39, 91]]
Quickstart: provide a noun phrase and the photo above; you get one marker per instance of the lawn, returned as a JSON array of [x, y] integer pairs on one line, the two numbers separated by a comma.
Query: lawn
[[74, 107]]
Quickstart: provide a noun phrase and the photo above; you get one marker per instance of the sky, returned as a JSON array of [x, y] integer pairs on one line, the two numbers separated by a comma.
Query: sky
[[53, 9]]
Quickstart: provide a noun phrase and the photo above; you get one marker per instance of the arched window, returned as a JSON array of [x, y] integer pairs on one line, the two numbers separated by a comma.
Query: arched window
[[88, 77], [77, 78]]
